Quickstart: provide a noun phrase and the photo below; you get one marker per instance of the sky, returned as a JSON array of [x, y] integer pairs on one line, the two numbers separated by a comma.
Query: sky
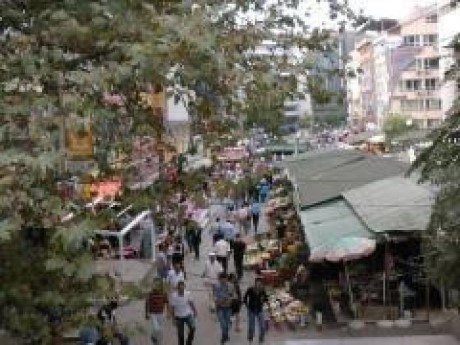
[[396, 9]]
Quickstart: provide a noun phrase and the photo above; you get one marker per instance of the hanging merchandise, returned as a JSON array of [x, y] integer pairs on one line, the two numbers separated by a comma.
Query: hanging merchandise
[[79, 141]]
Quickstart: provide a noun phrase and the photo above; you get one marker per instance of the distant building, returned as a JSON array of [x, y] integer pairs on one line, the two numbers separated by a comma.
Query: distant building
[[415, 69], [449, 50], [177, 129], [400, 69], [367, 74], [384, 46], [328, 71]]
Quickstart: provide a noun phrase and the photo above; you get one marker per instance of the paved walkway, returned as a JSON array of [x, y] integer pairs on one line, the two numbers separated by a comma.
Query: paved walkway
[[409, 340], [207, 333]]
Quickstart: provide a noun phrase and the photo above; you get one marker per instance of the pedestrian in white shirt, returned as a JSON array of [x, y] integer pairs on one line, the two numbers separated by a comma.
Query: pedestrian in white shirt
[[175, 275], [222, 250], [184, 311], [212, 269]]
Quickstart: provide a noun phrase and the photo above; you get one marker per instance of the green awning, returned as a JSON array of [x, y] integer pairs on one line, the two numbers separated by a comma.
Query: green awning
[[287, 149], [325, 224]]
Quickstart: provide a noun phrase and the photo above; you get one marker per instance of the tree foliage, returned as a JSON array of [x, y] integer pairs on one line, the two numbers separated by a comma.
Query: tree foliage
[[69, 61], [440, 166], [395, 125]]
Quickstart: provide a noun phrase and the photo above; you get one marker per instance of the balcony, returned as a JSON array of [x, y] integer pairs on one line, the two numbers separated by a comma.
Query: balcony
[[415, 94], [425, 114], [420, 73]]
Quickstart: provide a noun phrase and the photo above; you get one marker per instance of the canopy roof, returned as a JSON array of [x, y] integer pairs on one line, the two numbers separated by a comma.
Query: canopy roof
[[324, 225], [392, 204], [324, 175], [286, 148], [136, 221]]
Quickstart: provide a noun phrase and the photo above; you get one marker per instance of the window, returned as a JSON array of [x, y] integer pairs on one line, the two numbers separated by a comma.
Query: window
[[291, 107], [428, 63], [431, 84], [432, 104], [432, 19], [421, 104], [411, 85], [430, 40], [411, 40], [433, 123], [411, 105]]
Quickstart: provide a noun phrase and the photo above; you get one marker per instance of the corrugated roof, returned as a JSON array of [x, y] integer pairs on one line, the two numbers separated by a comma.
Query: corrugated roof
[[325, 224], [392, 204], [325, 175]]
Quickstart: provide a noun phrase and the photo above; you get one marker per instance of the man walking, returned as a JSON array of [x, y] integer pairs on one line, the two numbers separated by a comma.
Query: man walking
[[161, 262], [184, 311], [155, 304], [195, 238], [222, 250], [224, 293], [216, 231], [254, 299], [175, 275], [212, 269], [244, 218], [239, 248], [255, 212]]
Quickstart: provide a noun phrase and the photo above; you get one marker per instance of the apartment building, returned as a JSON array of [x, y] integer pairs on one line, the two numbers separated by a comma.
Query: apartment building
[[384, 47], [449, 51], [369, 63], [416, 69]]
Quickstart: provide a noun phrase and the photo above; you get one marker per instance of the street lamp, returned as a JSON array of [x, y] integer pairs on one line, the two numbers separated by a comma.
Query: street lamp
[[296, 143]]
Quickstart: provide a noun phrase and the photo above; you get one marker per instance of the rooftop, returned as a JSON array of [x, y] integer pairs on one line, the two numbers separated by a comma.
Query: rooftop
[[324, 175], [392, 205]]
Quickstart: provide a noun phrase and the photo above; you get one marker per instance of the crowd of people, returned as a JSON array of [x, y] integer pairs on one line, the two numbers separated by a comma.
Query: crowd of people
[[169, 295], [222, 283]]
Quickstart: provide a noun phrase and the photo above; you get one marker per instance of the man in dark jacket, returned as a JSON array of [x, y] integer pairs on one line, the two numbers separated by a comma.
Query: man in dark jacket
[[239, 248], [254, 299]]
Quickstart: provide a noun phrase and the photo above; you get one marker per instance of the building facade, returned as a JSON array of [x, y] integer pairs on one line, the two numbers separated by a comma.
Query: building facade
[[416, 69], [449, 51], [367, 64], [403, 69], [383, 48]]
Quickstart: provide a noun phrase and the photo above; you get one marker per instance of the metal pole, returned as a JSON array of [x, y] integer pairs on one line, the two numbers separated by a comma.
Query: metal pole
[[122, 259], [427, 296], [401, 299], [152, 237], [443, 295], [384, 289], [350, 291], [296, 146]]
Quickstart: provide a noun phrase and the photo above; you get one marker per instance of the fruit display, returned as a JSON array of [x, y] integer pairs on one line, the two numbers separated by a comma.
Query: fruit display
[[282, 307], [260, 252], [276, 203]]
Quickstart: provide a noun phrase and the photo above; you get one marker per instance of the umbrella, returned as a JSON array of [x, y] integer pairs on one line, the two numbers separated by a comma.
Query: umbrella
[[350, 248], [345, 249]]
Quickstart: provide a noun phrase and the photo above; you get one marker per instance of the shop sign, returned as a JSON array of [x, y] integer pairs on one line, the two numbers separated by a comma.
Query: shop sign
[[79, 143]]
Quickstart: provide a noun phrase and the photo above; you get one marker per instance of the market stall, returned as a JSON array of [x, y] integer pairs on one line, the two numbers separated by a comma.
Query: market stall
[[233, 154], [143, 223], [286, 311]]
